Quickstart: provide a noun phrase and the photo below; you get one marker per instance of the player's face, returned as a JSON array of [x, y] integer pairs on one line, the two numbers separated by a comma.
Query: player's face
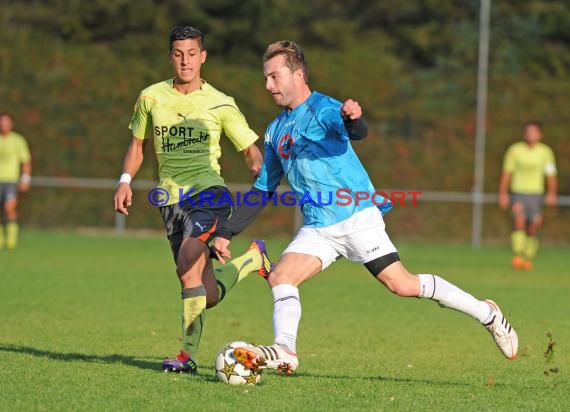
[[6, 124], [187, 59], [532, 134], [282, 83]]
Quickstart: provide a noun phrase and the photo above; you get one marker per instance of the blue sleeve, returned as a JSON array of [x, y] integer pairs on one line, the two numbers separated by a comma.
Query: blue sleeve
[[333, 122], [271, 170]]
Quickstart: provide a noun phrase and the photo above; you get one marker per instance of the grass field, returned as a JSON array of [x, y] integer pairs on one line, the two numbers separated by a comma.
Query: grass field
[[87, 319]]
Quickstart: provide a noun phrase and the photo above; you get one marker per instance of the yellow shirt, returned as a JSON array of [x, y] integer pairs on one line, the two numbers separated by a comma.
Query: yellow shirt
[[529, 166], [186, 129], [13, 152]]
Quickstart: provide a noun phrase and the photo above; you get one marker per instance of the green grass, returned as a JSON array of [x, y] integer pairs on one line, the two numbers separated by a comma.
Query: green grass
[[86, 320]]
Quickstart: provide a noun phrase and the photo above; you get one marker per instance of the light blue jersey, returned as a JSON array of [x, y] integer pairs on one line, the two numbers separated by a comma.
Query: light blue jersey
[[311, 147]]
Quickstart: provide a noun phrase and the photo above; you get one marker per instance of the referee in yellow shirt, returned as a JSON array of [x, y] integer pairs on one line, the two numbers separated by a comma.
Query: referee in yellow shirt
[[526, 167]]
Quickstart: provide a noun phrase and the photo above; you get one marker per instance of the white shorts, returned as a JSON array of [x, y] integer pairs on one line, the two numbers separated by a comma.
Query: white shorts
[[360, 238]]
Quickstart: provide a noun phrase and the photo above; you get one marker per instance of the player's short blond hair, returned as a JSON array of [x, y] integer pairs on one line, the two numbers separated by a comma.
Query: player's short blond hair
[[294, 56]]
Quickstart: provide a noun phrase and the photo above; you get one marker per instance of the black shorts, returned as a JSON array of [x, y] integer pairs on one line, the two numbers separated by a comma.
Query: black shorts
[[195, 217]]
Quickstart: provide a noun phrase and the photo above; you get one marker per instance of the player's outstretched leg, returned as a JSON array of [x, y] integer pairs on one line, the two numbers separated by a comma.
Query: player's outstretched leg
[[487, 312], [234, 271]]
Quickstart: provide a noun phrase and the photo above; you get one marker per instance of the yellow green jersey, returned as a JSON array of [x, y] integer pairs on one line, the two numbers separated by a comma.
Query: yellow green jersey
[[186, 129], [13, 152], [528, 167]]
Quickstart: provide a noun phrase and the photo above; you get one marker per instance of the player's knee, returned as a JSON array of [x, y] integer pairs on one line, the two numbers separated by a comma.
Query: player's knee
[[517, 208], [279, 278]]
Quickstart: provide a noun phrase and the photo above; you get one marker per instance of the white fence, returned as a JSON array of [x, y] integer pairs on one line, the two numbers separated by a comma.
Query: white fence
[[120, 220]]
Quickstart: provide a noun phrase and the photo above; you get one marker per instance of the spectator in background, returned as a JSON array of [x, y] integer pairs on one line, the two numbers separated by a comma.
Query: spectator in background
[[15, 175], [526, 167]]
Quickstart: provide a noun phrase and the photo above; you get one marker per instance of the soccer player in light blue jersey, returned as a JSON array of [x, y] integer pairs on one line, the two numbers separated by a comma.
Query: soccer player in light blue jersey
[[310, 143]]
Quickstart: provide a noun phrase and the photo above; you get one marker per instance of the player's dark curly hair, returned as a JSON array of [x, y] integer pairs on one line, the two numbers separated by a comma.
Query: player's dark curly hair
[[533, 123], [294, 56], [187, 32]]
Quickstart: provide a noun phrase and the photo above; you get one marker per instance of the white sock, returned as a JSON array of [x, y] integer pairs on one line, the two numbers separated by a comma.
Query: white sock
[[286, 315], [448, 295]]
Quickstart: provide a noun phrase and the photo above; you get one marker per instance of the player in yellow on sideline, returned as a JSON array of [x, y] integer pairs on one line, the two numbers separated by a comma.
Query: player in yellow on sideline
[[186, 116], [526, 167], [15, 175]]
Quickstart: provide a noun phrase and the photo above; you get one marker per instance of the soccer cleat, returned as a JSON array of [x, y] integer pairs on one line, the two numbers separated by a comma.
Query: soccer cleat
[[527, 264], [182, 364], [266, 265], [267, 357], [518, 262], [504, 334]]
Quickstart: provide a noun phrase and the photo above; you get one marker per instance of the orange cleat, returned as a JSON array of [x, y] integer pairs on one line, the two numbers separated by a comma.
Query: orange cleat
[[527, 265], [518, 262]]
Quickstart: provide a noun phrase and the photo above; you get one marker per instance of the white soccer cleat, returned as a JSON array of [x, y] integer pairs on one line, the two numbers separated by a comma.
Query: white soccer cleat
[[504, 334], [267, 357]]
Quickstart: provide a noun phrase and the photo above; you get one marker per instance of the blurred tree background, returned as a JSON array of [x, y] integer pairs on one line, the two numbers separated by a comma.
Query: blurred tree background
[[71, 71]]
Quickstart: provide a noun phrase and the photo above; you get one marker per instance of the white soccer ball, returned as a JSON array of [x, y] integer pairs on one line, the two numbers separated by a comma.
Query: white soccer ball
[[228, 370]]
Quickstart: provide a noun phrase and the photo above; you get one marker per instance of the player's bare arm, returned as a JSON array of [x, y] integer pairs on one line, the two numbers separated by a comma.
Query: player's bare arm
[[24, 183], [504, 190], [133, 160], [253, 160], [551, 190]]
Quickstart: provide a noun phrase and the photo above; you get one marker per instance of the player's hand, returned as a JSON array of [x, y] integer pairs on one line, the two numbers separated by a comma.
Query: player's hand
[[23, 186], [504, 201], [351, 110], [221, 249], [550, 199], [253, 160], [123, 198], [255, 169]]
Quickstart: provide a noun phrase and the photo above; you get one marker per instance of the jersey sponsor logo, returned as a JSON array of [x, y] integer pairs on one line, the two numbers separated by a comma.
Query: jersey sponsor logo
[[178, 137], [285, 146]]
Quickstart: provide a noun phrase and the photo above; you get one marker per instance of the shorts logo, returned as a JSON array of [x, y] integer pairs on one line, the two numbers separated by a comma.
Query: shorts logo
[[199, 226], [373, 249]]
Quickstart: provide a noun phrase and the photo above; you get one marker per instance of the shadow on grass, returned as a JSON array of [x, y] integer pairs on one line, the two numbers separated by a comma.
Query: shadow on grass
[[155, 366], [72, 357]]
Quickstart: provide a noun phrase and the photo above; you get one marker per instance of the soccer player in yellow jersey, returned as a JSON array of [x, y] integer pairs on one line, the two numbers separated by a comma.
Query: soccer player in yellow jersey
[[526, 167], [15, 171], [185, 116]]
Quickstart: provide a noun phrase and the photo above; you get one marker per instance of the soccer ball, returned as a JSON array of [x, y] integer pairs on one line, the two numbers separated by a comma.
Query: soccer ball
[[228, 370]]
